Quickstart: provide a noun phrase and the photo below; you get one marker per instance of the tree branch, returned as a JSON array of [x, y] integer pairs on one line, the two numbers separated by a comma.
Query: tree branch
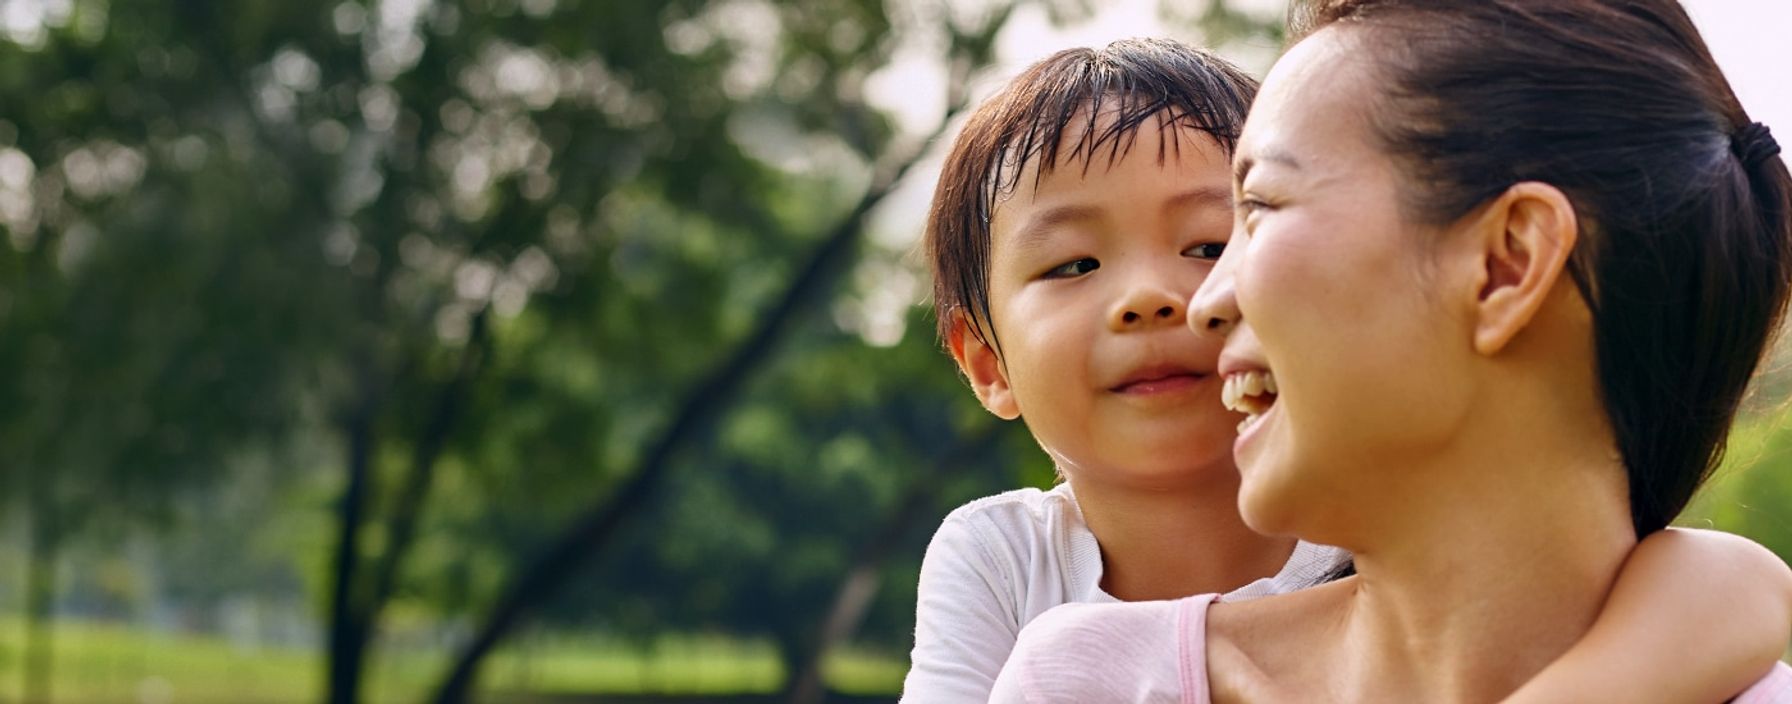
[[853, 597], [347, 638], [401, 528], [700, 406]]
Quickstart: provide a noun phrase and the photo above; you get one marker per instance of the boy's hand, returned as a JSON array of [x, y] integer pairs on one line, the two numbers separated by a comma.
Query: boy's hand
[[1695, 616]]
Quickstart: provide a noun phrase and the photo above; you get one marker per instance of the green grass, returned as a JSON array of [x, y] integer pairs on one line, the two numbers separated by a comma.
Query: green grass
[[95, 662], [100, 662]]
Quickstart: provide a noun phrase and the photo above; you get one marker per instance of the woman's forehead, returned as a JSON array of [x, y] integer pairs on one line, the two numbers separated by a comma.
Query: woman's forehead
[[1315, 105]]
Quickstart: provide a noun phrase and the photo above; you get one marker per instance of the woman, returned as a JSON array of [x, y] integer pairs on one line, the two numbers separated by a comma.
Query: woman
[[1501, 273]]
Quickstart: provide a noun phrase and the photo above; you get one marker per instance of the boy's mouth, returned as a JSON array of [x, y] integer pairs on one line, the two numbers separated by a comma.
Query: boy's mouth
[[1158, 379], [1250, 392]]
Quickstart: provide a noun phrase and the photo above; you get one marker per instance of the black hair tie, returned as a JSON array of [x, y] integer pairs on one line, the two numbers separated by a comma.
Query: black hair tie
[[1753, 144]]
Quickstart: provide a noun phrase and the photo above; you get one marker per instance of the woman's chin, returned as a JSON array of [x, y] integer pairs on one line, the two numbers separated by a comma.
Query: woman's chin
[[1269, 499], [1262, 513]]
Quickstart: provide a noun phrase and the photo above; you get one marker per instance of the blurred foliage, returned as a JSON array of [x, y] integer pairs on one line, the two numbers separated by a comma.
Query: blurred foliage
[[363, 303], [1751, 492]]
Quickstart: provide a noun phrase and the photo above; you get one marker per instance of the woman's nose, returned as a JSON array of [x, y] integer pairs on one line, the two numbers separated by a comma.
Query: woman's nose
[[1214, 308]]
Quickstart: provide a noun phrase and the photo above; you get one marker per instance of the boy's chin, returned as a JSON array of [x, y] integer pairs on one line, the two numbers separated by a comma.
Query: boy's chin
[[1164, 474]]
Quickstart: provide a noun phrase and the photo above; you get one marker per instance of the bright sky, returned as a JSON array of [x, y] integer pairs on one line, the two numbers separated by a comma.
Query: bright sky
[[1752, 40]]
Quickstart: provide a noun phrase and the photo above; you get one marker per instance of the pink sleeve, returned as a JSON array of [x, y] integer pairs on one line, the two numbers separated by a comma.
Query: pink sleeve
[[1775, 688], [1077, 653], [1191, 626]]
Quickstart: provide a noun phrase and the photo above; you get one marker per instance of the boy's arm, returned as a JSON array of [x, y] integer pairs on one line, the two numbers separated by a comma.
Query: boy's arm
[[1695, 616], [965, 621]]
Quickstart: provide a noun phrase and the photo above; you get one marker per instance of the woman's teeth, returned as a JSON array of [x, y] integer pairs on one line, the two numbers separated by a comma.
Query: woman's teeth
[[1250, 393]]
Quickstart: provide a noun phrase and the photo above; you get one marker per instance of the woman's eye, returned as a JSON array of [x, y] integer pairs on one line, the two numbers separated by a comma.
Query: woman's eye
[[1247, 206], [1073, 269], [1207, 250], [1248, 210]]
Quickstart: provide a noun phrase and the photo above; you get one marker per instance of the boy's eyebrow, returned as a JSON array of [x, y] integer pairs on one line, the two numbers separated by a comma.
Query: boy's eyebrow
[[1039, 228], [1242, 167], [1201, 195]]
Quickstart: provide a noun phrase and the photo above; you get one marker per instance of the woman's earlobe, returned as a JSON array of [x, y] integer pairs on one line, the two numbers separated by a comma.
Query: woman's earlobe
[[1524, 251], [982, 368]]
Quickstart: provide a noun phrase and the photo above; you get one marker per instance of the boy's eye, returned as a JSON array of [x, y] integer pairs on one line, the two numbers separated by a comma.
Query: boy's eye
[[1206, 250], [1073, 269]]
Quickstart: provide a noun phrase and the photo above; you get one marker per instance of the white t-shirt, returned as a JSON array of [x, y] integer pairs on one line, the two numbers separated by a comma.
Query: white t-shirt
[[999, 562]]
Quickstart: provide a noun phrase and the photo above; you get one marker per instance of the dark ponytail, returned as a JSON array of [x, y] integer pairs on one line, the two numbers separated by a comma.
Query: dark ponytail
[[1685, 252]]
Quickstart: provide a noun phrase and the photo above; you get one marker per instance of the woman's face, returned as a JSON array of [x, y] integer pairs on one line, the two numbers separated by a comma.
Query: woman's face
[[1328, 290]]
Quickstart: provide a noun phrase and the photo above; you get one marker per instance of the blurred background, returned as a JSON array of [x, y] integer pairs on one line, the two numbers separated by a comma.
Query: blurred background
[[523, 350]]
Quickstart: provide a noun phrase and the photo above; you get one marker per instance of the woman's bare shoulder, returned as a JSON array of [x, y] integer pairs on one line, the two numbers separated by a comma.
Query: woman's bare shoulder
[[1266, 650]]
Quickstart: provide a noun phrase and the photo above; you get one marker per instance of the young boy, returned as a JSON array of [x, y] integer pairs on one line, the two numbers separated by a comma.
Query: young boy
[[1076, 214]]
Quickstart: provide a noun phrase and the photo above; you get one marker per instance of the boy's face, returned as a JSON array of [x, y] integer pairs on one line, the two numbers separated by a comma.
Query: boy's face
[[1091, 271]]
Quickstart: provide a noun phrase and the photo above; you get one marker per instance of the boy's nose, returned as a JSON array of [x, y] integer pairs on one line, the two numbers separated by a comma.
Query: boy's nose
[[1147, 306]]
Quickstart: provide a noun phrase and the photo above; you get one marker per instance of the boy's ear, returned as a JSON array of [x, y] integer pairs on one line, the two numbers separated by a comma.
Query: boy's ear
[[1522, 242], [982, 367]]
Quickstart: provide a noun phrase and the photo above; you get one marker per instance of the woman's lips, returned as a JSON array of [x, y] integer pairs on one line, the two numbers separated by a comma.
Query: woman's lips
[[1254, 393], [1248, 430]]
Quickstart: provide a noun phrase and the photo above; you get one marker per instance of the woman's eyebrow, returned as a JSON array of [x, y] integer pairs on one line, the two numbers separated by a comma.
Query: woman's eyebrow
[[1243, 165]]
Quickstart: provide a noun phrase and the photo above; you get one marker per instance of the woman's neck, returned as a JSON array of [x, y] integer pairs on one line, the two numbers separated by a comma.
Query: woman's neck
[[1161, 543], [1482, 563], [1520, 542]]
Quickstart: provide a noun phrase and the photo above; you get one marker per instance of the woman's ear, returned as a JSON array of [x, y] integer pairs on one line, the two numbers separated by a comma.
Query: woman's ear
[[1523, 240], [982, 367]]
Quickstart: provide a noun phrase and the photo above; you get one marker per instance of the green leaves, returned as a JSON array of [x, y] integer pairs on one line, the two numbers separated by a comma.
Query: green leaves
[[230, 229]]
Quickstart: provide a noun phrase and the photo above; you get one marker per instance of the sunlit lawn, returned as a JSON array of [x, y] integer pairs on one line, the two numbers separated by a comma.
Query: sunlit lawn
[[97, 663]]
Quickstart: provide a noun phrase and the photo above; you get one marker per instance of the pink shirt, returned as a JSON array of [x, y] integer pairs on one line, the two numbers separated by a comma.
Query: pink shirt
[[1156, 651], [1775, 688]]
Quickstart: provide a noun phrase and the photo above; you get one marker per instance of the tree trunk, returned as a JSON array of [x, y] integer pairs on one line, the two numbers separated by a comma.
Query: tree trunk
[[40, 597], [348, 630], [853, 598], [357, 602], [791, 652], [847, 610]]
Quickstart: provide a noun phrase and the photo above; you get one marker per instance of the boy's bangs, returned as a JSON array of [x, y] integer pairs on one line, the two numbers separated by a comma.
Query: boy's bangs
[[1094, 105]]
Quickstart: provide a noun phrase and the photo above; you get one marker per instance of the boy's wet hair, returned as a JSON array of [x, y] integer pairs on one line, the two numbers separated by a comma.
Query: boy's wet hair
[[1135, 81]]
